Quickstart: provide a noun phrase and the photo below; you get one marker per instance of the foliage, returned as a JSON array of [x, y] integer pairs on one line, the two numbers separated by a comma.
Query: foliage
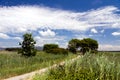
[[88, 67], [47, 47], [72, 49], [12, 49], [88, 44], [28, 46], [73, 45], [84, 45], [59, 51], [84, 50]]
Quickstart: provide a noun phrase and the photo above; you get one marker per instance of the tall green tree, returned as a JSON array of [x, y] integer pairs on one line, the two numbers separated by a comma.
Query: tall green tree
[[73, 45], [84, 45], [27, 46], [90, 43]]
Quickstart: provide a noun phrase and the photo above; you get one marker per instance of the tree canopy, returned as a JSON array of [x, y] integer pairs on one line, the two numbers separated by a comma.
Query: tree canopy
[[84, 45], [28, 45], [73, 45]]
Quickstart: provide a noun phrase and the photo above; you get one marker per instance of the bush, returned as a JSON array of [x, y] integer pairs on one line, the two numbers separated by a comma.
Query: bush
[[72, 49], [13, 49], [59, 51], [48, 47], [94, 51]]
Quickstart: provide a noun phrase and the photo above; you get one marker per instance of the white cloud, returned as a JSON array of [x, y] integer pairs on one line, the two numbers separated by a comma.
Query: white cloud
[[116, 33], [109, 47], [46, 40], [18, 19], [47, 33], [4, 36], [93, 30]]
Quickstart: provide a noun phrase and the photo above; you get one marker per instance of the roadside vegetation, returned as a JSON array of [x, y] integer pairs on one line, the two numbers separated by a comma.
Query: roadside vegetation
[[102, 66], [12, 64]]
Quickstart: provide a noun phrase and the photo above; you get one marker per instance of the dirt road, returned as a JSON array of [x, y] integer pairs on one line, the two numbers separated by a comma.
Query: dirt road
[[29, 76]]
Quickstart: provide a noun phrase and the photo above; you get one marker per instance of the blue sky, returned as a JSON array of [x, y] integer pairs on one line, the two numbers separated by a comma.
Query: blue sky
[[58, 21]]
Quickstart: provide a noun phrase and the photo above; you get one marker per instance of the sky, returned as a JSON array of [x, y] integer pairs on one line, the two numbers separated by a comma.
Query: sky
[[59, 21]]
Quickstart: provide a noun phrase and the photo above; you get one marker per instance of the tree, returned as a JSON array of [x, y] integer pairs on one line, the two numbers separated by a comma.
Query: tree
[[48, 47], [84, 45], [88, 44], [73, 45], [27, 46]]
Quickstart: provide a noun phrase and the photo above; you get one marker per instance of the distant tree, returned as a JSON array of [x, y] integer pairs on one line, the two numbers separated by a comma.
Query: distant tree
[[48, 47], [12, 49], [88, 44], [84, 45], [73, 45], [27, 46]]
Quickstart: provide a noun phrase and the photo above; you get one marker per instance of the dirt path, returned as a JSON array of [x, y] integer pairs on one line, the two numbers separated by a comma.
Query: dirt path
[[29, 76]]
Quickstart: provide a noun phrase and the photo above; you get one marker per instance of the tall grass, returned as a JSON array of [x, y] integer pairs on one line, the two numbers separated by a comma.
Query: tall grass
[[88, 67], [12, 64]]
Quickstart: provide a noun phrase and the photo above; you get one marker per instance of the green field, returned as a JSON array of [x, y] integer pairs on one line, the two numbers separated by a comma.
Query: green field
[[101, 66], [12, 64]]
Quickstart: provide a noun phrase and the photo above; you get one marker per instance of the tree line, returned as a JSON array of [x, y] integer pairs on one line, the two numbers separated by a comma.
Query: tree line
[[74, 46]]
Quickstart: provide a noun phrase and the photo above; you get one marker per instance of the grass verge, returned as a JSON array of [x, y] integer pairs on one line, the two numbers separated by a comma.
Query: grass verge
[[89, 67], [12, 64]]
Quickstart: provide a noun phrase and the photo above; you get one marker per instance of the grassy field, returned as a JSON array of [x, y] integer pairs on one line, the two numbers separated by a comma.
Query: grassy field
[[101, 66], [12, 64]]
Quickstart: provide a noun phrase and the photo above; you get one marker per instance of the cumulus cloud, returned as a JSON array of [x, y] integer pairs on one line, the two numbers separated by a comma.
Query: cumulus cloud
[[93, 30], [18, 19], [47, 33], [116, 33], [108, 47]]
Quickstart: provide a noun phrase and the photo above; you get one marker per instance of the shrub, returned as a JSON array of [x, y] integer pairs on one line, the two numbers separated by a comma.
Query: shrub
[[13, 49], [59, 51], [48, 47], [94, 51]]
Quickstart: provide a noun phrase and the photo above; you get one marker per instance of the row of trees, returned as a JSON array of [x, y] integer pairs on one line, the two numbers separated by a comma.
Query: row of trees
[[74, 45]]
